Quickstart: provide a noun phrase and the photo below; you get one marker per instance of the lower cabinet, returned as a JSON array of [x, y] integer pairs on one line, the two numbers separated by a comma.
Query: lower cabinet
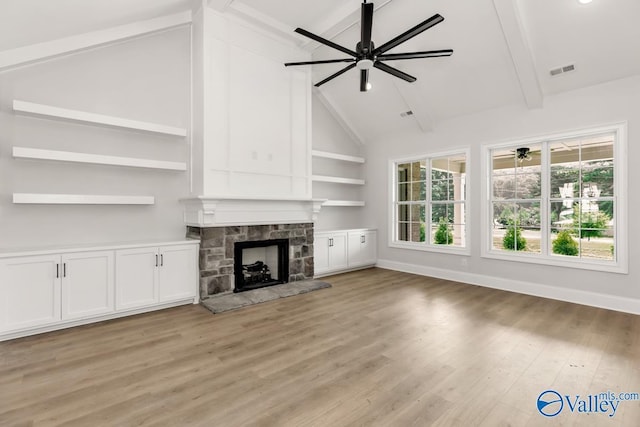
[[343, 250], [362, 248], [50, 291], [329, 252], [29, 292], [87, 284], [147, 276]]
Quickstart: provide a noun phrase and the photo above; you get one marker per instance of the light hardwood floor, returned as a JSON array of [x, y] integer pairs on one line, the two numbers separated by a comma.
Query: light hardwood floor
[[378, 348]]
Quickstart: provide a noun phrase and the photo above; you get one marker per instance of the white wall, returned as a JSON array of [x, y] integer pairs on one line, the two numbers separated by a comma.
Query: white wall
[[143, 79], [329, 136], [607, 103]]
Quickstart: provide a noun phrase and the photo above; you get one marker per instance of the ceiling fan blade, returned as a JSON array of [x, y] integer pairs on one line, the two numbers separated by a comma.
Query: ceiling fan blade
[[333, 76], [423, 26], [327, 61], [364, 79], [394, 72], [413, 55], [366, 26], [326, 42]]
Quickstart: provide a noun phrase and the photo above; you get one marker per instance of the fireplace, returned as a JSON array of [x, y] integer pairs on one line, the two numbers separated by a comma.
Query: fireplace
[[260, 263], [218, 256]]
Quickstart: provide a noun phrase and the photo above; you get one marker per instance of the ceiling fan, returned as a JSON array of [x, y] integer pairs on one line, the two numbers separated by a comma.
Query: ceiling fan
[[366, 55]]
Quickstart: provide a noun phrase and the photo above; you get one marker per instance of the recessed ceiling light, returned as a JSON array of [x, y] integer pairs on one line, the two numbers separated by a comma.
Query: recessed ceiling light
[[584, 1]]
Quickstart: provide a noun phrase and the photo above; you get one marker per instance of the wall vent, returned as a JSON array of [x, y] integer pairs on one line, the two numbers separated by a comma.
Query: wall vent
[[406, 114], [561, 70]]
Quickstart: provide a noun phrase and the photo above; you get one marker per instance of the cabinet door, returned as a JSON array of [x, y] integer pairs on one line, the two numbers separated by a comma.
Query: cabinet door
[[355, 252], [321, 253], [29, 292], [369, 248], [87, 284], [338, 251], [136, 277], [362, 248], [178, 273]]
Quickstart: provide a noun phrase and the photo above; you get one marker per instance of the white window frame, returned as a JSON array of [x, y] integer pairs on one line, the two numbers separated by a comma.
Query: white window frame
[[620, 264], [393, 211]]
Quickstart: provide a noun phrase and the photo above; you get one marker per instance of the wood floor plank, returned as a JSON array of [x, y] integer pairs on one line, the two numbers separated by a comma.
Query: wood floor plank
[[378, 348]]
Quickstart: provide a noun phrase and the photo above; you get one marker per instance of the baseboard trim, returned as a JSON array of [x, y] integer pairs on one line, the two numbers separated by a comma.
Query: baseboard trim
[[593, 299]]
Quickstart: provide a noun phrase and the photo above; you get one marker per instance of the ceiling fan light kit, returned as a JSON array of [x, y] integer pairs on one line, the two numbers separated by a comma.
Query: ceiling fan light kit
[[367, 56]]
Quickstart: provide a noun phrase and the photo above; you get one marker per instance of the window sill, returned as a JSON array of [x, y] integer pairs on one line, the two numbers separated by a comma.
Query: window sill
[[442, 249], [559, 261]]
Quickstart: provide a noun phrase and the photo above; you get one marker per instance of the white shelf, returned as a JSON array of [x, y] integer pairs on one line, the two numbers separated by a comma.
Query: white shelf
[[68, 156], [100, 119], [80, 199], [346, 203], [336, 156], [337, 179]]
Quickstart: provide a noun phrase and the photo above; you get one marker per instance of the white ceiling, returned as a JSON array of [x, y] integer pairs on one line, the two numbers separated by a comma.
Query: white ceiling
[[500, 57]]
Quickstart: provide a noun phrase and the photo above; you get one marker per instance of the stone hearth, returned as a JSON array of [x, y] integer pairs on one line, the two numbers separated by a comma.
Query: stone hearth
[[217, 252]]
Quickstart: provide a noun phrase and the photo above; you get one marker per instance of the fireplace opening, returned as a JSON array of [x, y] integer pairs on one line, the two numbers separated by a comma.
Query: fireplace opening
[[260, 263]]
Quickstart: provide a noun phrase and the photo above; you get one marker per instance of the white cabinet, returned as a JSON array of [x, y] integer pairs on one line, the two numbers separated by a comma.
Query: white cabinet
[[29, 292], [87, 284], [343, 250], [362, 248], [330, 252], [41, 290], [178, 273], [136, 277], [46, 290], [147, 276]]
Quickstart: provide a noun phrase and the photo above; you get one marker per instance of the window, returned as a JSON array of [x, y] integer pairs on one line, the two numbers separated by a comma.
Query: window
[[429, 202], [558, 200]]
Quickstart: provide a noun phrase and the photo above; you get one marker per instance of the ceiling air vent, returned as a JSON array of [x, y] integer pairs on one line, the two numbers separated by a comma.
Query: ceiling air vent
[[406, 114], [562, 70]]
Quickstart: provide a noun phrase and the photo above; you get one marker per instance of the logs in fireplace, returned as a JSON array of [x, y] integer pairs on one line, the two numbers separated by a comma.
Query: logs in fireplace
[[260, 263]]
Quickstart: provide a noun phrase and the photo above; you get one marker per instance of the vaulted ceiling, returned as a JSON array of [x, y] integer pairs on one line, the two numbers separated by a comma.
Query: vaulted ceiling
[[503, 49]]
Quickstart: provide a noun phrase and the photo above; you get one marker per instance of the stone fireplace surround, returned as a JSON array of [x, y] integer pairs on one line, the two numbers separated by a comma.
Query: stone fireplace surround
[[217, 252]]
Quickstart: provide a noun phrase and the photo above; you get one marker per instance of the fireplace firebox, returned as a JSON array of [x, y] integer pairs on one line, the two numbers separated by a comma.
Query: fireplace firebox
[[260, 263]]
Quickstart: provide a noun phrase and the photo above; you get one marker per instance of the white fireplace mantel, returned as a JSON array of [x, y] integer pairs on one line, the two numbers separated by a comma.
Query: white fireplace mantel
[[204, 211]]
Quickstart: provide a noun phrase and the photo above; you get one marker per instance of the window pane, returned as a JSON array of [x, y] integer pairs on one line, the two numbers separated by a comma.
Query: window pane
[[529, 222], [504, 187], [403, 192], [597, 248], [528, 186], [403, 213], [597, 179], [404, 231], [442, 190], [516, 226], [503, 161], [418, 213], [404, 172], [443, 211], [417, 232], [564, 242], [561, 214], [418, 191]]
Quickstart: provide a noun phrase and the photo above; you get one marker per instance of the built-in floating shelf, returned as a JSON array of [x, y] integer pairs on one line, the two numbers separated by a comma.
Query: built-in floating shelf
[[68, 156], [80, 199], [337, 179], [336, 156], [346, 203], [100, 119]]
